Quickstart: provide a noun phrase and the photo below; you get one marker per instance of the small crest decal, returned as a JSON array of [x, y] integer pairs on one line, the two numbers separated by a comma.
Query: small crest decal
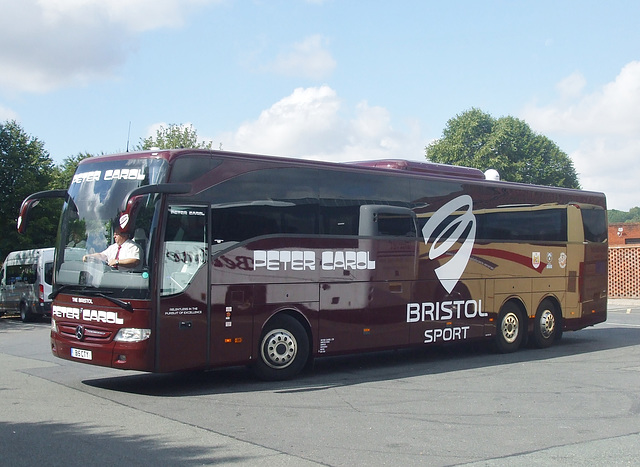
[[562, 261], [535, 259]]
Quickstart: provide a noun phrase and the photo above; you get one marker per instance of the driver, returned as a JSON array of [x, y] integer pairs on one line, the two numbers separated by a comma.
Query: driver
[[123, 253]]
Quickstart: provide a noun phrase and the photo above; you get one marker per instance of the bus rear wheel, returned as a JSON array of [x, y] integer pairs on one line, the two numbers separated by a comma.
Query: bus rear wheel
[[546, 324], [511, 328], [283, 351]]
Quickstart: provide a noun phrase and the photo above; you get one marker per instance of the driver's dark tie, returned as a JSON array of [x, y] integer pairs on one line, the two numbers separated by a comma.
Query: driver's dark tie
[[118, 254]]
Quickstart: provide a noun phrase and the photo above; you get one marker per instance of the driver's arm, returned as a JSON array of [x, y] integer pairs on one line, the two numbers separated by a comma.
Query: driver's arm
[[100, 256]]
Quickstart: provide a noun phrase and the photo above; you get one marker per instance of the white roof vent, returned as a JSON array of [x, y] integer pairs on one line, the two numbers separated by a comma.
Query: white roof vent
[[492, 174]]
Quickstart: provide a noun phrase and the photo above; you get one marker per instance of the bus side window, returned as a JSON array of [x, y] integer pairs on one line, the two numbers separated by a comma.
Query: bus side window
[[338, 220], [594, 222], [386, 221]]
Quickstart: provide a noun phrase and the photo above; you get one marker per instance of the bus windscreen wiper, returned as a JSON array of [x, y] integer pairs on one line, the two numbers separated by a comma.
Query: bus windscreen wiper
[[121, 303], [55, 293]]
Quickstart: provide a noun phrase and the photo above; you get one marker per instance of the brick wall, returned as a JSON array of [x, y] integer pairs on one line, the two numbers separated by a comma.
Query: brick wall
[[624, 271], [624, 234]]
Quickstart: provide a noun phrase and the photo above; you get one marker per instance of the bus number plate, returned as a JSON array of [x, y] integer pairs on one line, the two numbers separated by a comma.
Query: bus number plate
[[81, 353]]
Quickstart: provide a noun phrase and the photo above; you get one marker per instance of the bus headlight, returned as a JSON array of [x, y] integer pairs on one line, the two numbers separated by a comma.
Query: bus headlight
[[132, 335]]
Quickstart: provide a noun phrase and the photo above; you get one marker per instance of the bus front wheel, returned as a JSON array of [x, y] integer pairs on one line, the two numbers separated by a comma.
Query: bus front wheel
[[511, 328], [546, 325], [283, 351]]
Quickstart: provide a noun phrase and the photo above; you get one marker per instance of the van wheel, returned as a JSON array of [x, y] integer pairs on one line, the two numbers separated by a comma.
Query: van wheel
[[25, 313], [283, 351], [546, 324], [511, 328]]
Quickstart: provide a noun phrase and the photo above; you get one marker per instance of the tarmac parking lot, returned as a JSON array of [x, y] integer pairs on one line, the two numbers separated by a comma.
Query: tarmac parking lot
[[576, 403]]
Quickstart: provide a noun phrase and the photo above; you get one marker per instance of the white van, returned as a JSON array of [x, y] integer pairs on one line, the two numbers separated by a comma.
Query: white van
[[25, 283]]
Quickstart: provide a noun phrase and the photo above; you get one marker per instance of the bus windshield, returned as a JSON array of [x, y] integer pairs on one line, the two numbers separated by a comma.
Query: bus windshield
[[90, 218]]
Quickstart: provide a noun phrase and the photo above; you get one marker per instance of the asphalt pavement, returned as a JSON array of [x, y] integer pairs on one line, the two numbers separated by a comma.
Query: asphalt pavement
[[575, 403], [623, 304]]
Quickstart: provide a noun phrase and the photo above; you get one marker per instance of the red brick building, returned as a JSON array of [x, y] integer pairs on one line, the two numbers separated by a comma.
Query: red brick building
[[624, 260], [624, 234]]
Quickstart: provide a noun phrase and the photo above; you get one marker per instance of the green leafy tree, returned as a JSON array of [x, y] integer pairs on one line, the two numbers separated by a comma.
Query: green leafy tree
[[26, 168], [508, 145], [616, 217], [174, 137]]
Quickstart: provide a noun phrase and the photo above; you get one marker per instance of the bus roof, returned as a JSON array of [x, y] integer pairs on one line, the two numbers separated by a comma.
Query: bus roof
[[415, 167], [423, 168], [397, 166]]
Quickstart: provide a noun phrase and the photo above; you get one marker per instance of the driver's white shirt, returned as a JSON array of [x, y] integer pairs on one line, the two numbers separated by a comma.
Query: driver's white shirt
[[129, 249]]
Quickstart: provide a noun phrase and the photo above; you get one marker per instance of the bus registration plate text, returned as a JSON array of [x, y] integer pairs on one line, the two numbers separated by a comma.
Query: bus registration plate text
[[81, 353]]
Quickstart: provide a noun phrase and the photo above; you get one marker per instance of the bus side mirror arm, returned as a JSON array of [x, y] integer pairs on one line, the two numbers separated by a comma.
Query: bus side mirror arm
[[31, 201], [163, 188]]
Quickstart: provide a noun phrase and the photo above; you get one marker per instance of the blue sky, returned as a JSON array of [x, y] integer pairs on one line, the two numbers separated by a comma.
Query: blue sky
[[327, 79]]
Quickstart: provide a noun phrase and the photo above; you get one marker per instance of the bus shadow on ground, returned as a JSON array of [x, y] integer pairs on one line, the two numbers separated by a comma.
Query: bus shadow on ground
[[47, 443], [331, 372]]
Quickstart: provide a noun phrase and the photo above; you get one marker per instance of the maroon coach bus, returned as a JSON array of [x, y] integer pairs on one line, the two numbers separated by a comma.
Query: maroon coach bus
[[271, 262]]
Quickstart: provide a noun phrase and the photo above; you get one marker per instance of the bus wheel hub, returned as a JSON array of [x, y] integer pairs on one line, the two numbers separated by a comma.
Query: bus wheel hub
[[279, 348], [547, 324]]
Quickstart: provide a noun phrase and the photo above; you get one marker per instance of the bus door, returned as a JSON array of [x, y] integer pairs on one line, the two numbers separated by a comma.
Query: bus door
[[394, 247], [390, 290], [182, 322]]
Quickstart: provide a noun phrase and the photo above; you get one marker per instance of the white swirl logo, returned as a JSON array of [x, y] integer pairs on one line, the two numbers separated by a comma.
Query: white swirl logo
[[450, 272]]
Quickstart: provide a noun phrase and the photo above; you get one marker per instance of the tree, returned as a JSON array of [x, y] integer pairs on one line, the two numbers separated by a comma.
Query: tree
[[508, 145], [174, 137], [26, 168], [616, 217]]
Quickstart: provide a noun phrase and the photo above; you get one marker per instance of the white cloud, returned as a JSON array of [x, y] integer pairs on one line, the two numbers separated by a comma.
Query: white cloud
[[308, 58], [606, 125], [7, 114], [572, 86], [313, 123], [48, 44], [135, 15], [613, 109]]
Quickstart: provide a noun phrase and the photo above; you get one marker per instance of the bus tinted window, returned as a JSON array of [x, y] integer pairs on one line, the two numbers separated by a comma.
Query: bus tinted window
[[393, 225], [595, 225], [239, 223], [189, 168], [302, 202], [545, 225], [364, 188], [257, 186], [339, 220]]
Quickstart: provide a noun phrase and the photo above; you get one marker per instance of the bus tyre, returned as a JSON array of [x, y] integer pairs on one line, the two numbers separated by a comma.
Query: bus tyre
[[283, 351], [546, 325], [511, 328]]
